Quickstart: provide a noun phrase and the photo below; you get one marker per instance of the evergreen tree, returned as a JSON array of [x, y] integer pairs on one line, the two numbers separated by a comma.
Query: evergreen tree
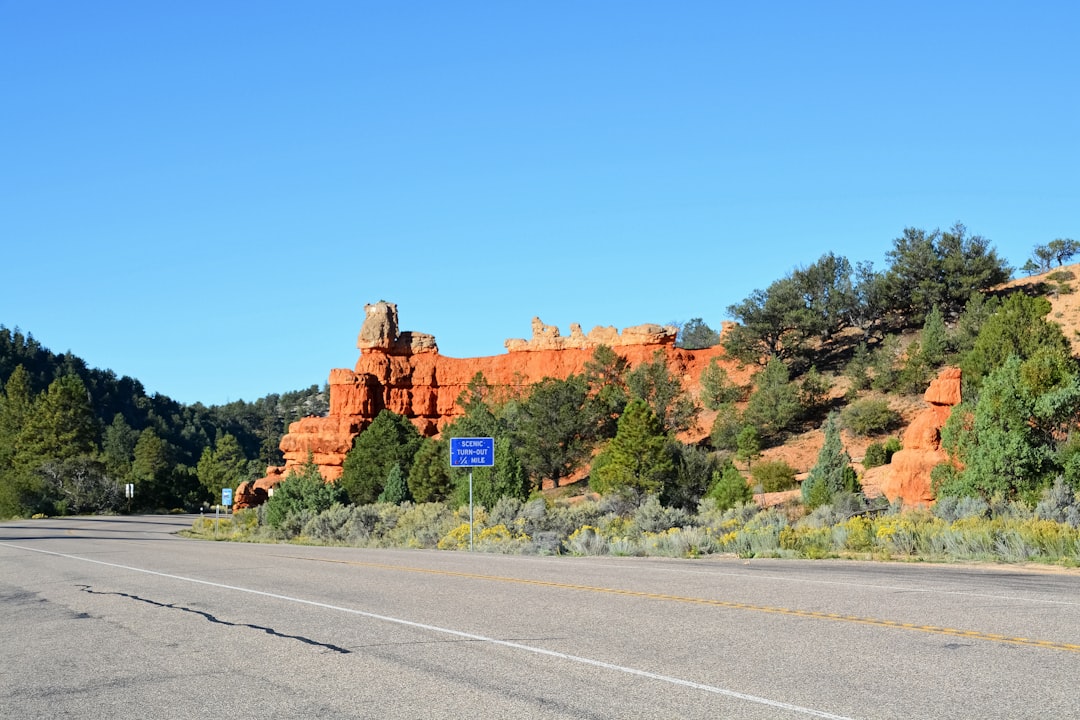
[[638, 459], [978, 310], [695, 335], [302, 492], [717, 389], [552, 430], [773, 323], [654, 383], [62, 426], [118, 448], [729, 488], [693, 474], [150, 472], [814, 390], [748, 445], [16, 405], [605, 376], [828, 296], [934, 339], [430, 479], [774, 404], [390, 440], [940, 268], [1018, 328], [395, 490], [1007, 443], [222, 466], [832, 474], [857, 371]]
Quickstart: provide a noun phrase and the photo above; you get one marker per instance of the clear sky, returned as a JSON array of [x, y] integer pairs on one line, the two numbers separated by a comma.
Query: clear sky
[[204, 195]]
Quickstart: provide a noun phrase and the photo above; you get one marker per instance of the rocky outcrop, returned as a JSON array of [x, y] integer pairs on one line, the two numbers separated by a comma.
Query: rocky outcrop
[[908, 477], [380, 333], [404, 372], [547, 337], [248, 495]]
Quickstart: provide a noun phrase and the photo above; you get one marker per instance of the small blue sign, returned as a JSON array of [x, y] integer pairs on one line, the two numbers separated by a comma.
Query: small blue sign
[[472, 452], [226, 496]]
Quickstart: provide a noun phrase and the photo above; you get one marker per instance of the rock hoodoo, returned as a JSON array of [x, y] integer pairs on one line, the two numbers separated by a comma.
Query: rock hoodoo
[[909, 473], [547, 337], [404, 372]]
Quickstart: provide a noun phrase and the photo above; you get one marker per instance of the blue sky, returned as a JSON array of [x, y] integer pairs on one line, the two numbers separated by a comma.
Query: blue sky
[[204, 195]]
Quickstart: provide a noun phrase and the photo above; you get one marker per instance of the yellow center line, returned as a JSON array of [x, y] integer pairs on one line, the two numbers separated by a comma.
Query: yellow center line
[[792, 612]]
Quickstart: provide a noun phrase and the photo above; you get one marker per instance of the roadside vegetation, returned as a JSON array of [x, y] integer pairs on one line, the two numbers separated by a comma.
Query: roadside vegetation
[[615, 460]]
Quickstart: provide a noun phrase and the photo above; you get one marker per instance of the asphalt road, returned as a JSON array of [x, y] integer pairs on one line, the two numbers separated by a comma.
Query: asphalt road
[[120, 618]]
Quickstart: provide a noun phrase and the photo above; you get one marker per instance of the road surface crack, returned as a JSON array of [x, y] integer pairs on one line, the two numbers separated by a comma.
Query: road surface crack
[[211, 618]]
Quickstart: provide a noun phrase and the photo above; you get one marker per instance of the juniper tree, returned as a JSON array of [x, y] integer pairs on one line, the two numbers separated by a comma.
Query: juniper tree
[[390, 440], [832, 473]]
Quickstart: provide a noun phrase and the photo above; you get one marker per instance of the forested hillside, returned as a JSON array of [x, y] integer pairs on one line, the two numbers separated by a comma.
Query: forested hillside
[[72, 436]]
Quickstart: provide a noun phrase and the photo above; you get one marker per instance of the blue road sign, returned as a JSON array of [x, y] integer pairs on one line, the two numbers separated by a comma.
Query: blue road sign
[[226, 496], [472, 452]]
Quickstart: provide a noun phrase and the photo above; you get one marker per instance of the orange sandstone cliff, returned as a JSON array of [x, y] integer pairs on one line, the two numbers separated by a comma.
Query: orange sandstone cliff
[[404, 372]]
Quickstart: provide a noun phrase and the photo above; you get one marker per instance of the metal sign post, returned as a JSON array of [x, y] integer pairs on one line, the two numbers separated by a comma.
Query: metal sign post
[[226, 500], [470, 453]]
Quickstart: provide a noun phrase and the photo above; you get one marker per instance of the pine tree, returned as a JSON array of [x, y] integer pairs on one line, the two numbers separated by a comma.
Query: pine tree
[[118, 448], [605, 376], [717, 389], [748, 445], [934, 339], [775, 402], [222, 466], [149, 471], [639, 457], [430, 479], [16, 404], [62, 426]]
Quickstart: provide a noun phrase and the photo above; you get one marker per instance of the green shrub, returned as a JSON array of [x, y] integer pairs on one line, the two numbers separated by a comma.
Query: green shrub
[[587, 540], [729, 488], [874, 456], [330, 525], [869, 417], [878, 454], [654, 517], [773, 476], [303, 492]]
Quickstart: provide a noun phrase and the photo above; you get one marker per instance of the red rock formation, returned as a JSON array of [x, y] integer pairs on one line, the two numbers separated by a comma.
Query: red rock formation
[[404, 372], [248, 496], [909, 472]]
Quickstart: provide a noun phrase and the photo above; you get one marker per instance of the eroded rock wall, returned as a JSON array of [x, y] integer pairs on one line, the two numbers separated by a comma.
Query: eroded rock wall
[[404, 372]]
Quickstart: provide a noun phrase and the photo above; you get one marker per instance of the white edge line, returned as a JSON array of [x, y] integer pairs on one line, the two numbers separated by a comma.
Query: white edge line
[[465, 635]]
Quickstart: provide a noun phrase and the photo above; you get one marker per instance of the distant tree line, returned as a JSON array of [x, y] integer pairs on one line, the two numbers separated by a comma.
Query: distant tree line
[[71, 437]]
